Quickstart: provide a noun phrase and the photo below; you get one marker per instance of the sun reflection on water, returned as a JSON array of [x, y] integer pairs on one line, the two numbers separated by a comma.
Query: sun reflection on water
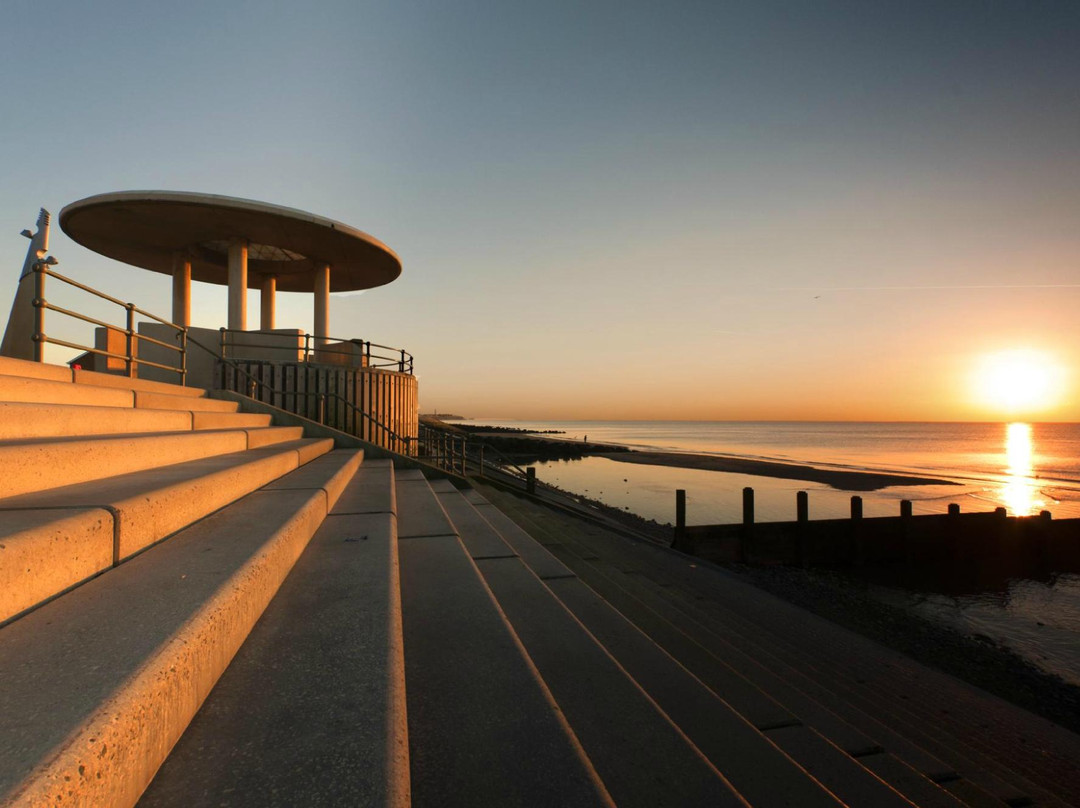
[[1020, 492]]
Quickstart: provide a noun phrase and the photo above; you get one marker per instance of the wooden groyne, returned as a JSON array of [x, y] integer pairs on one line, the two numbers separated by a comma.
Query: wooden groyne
[[951, 538]]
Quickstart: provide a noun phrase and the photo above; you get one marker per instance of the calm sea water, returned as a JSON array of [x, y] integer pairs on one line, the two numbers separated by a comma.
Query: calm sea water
[[1026, 468]]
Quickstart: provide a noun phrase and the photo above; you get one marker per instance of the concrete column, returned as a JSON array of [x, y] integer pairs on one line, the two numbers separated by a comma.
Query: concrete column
[[181, 290], [321, 291], [238, 267], [266, 313]]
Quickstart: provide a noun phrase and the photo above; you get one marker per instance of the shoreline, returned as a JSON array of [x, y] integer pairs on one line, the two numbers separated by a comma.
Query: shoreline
[[835, 478]]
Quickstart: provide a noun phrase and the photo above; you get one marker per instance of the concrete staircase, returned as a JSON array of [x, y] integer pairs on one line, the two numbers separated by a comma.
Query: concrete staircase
[[215, 611]]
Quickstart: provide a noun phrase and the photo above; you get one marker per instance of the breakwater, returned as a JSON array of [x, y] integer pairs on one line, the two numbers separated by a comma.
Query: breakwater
[[953, 539]]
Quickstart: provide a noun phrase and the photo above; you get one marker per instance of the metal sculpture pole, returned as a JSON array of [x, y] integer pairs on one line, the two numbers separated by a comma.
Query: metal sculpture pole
[[19, 335]]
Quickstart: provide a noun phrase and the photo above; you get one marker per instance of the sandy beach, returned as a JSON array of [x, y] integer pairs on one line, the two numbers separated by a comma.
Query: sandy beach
[[844, 480]]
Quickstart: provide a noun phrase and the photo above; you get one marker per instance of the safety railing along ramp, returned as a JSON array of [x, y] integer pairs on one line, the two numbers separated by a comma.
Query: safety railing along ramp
[[483, 729], [641, 755], [312, 709], [823, 675]]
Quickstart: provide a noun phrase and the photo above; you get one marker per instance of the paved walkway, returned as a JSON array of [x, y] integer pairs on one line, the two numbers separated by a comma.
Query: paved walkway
[[999, 746]]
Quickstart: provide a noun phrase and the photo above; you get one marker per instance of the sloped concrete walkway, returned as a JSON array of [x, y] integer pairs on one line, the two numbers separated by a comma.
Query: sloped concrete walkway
[[936, 723]]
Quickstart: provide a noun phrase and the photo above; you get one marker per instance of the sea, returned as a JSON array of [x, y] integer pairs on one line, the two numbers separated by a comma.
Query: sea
[[1024, 467]]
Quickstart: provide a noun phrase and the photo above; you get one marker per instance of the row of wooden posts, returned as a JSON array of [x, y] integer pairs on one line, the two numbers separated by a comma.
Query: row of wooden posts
[[802, 508]]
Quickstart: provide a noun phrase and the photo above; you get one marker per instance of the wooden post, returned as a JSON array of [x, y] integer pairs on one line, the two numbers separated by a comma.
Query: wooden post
[[680, 519], [802, 516], [856, 507], [747, 524], [530, 479], [905, 518], [954, 509], [856, 534]]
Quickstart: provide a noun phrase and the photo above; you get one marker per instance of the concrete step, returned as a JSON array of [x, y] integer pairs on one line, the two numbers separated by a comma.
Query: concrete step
[[54, 540], [51, 391], [483, 727], [93, 378], [34, 370], [327, 661], [637, 749], [22, 420], [100, 683], [163, 401], [37, 465]]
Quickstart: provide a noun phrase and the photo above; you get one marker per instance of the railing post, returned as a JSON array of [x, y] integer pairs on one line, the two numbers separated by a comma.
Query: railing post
[[183, 357], [530, 480], [39, 313], [130, 340], [401, 363], [481, 461], [464, 452], [322, 408], [221, 341]]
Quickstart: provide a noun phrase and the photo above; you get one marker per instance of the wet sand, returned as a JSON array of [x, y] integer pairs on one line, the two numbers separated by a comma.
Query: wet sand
[[843, 480]]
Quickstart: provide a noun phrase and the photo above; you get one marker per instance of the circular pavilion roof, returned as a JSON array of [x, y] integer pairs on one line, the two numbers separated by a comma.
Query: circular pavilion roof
[[147, 228]]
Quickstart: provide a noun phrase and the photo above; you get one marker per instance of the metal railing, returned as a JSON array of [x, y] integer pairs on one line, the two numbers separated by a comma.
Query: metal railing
[[131, 338], [322, 350], [459, 452]]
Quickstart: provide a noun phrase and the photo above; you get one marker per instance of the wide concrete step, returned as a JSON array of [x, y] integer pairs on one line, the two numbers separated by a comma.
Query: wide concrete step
[[165, 401], [639, 751], [90, 377], [24, 420], [161, 397], [483, 727], [631, 568], [51, 391], [34, 370], [100, 683], [41, 464], [327, 662], [54, 540]]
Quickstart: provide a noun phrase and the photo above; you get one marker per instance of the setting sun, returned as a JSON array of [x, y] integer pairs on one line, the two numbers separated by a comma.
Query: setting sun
[[1018, 382]]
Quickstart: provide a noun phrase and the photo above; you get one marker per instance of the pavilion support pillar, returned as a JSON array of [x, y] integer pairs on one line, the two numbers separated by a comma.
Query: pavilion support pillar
[[266, 300], [181, 289], [321, 291], [238, 270]]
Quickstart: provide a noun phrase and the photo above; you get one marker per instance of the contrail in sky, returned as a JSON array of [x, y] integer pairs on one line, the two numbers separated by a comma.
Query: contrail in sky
[[926, 287]]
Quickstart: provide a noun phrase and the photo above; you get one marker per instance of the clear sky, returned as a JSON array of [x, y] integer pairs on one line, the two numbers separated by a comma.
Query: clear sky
[[687, 210]]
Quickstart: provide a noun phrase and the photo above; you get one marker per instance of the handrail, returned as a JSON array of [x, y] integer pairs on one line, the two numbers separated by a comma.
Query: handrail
[[316, 347], [132, 361], [254, 382]]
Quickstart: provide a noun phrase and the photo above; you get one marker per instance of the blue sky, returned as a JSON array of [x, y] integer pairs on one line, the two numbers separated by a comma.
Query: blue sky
[[608, 210]]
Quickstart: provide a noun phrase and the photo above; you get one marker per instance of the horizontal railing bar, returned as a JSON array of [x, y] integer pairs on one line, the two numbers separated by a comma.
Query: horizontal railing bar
[[121, 357], [84, 317], [85, 288], [88, 319], [169, 345]]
